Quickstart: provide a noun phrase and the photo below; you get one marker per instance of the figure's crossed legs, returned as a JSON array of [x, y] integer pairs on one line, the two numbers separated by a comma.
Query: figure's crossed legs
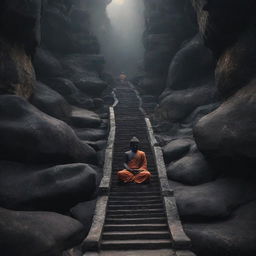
[[127, 177]]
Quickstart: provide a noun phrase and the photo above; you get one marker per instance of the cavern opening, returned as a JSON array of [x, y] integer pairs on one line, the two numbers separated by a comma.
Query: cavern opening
[[122, 46]]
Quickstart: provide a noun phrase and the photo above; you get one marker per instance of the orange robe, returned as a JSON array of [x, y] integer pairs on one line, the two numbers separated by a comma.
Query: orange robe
[[139, 162]]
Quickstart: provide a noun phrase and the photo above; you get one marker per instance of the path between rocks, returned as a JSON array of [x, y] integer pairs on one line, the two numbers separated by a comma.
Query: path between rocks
[[136, 222]]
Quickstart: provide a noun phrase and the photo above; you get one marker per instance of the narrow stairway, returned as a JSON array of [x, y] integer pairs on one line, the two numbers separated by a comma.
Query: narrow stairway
[[135, 217]]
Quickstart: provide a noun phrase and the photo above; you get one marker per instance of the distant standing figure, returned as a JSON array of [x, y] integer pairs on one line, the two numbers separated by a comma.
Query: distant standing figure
[[122, 78], [135, 165]]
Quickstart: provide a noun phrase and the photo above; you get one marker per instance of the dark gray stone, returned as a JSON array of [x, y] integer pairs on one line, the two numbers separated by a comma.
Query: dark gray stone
[[91, 134], [51, 188], [46, 65], [91, 85], [50, 102], [84, 212], [214, 200], [235, 236], [29, 135], [229, 131], [191, 66], [192, 169], [32, 233], [176, 149], [177, 105], [83, 118]]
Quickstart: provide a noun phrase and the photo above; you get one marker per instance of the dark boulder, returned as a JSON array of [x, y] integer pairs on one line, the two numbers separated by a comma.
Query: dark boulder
[[191, 66], [83, 118], [178, 104], [235, 236], [192, 169], [91, 134], [29, 135], [91, 85], [214, 200], [236, 66], [70, 92], [46, 65], [84, 213], [54, 188], [38, 233], [229, 131], [50, 102], [176, 149]]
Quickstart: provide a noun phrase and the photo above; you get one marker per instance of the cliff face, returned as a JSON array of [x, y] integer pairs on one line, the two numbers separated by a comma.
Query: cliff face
[[168, 24], [53, 124], [205, 123]]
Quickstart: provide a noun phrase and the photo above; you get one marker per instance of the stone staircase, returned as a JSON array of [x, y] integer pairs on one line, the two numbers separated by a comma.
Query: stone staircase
[[135, 221], [135, 216]]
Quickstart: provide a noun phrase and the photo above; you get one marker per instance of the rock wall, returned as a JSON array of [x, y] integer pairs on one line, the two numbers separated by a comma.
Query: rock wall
[[168, 24], [53, 124], [204, 120]]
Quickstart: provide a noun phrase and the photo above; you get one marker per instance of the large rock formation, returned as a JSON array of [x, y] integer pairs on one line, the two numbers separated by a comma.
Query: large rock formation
[[46, 93], [168, 24], [207, 105]]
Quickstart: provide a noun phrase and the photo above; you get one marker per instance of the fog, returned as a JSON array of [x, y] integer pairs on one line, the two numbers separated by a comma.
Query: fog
[[121, 36]]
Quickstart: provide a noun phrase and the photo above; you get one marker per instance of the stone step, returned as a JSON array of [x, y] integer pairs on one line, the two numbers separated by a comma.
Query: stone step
[[134, 202], [147, 220], [127, 189], [136, 244], [135, 193], [136, 215], [139, 198], [132, 235], [135, 227], [156, 252], [135, 211], [136, 206]]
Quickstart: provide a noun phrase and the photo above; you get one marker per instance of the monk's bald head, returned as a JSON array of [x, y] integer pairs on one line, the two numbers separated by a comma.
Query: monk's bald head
[[134, 144]]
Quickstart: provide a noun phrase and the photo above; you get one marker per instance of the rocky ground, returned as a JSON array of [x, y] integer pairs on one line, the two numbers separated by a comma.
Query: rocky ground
[[204, 121]]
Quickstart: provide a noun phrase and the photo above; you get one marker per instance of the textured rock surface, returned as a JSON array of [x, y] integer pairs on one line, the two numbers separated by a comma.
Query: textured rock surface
[[22, 124], [235, 236], [192, 169], [35, 124], [214, 200], [50, 102], [52, 188], [176, 149], [217, 133], [208, 95], [25, 233]]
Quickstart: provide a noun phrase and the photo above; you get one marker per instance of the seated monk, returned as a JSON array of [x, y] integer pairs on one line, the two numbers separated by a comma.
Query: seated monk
[[135, 165]]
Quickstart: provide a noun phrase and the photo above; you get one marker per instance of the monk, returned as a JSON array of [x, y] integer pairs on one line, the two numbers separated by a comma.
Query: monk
[[135, 165], [122, 78]]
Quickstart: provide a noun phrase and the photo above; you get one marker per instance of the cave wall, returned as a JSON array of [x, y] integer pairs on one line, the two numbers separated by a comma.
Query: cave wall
[[53, 124], [168, 24], [204, 121]]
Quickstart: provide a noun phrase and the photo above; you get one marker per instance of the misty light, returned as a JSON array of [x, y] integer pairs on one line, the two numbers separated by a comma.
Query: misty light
[[120, 2], [122, 46]]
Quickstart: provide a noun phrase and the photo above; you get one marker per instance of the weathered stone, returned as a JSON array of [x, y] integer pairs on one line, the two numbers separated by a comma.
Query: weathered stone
[[235, 236], [176, 149], [229, 131], [17, 75], [29, 135], [214, 200], [192, 169], [33, 233], [50, 102], [51, 188]]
